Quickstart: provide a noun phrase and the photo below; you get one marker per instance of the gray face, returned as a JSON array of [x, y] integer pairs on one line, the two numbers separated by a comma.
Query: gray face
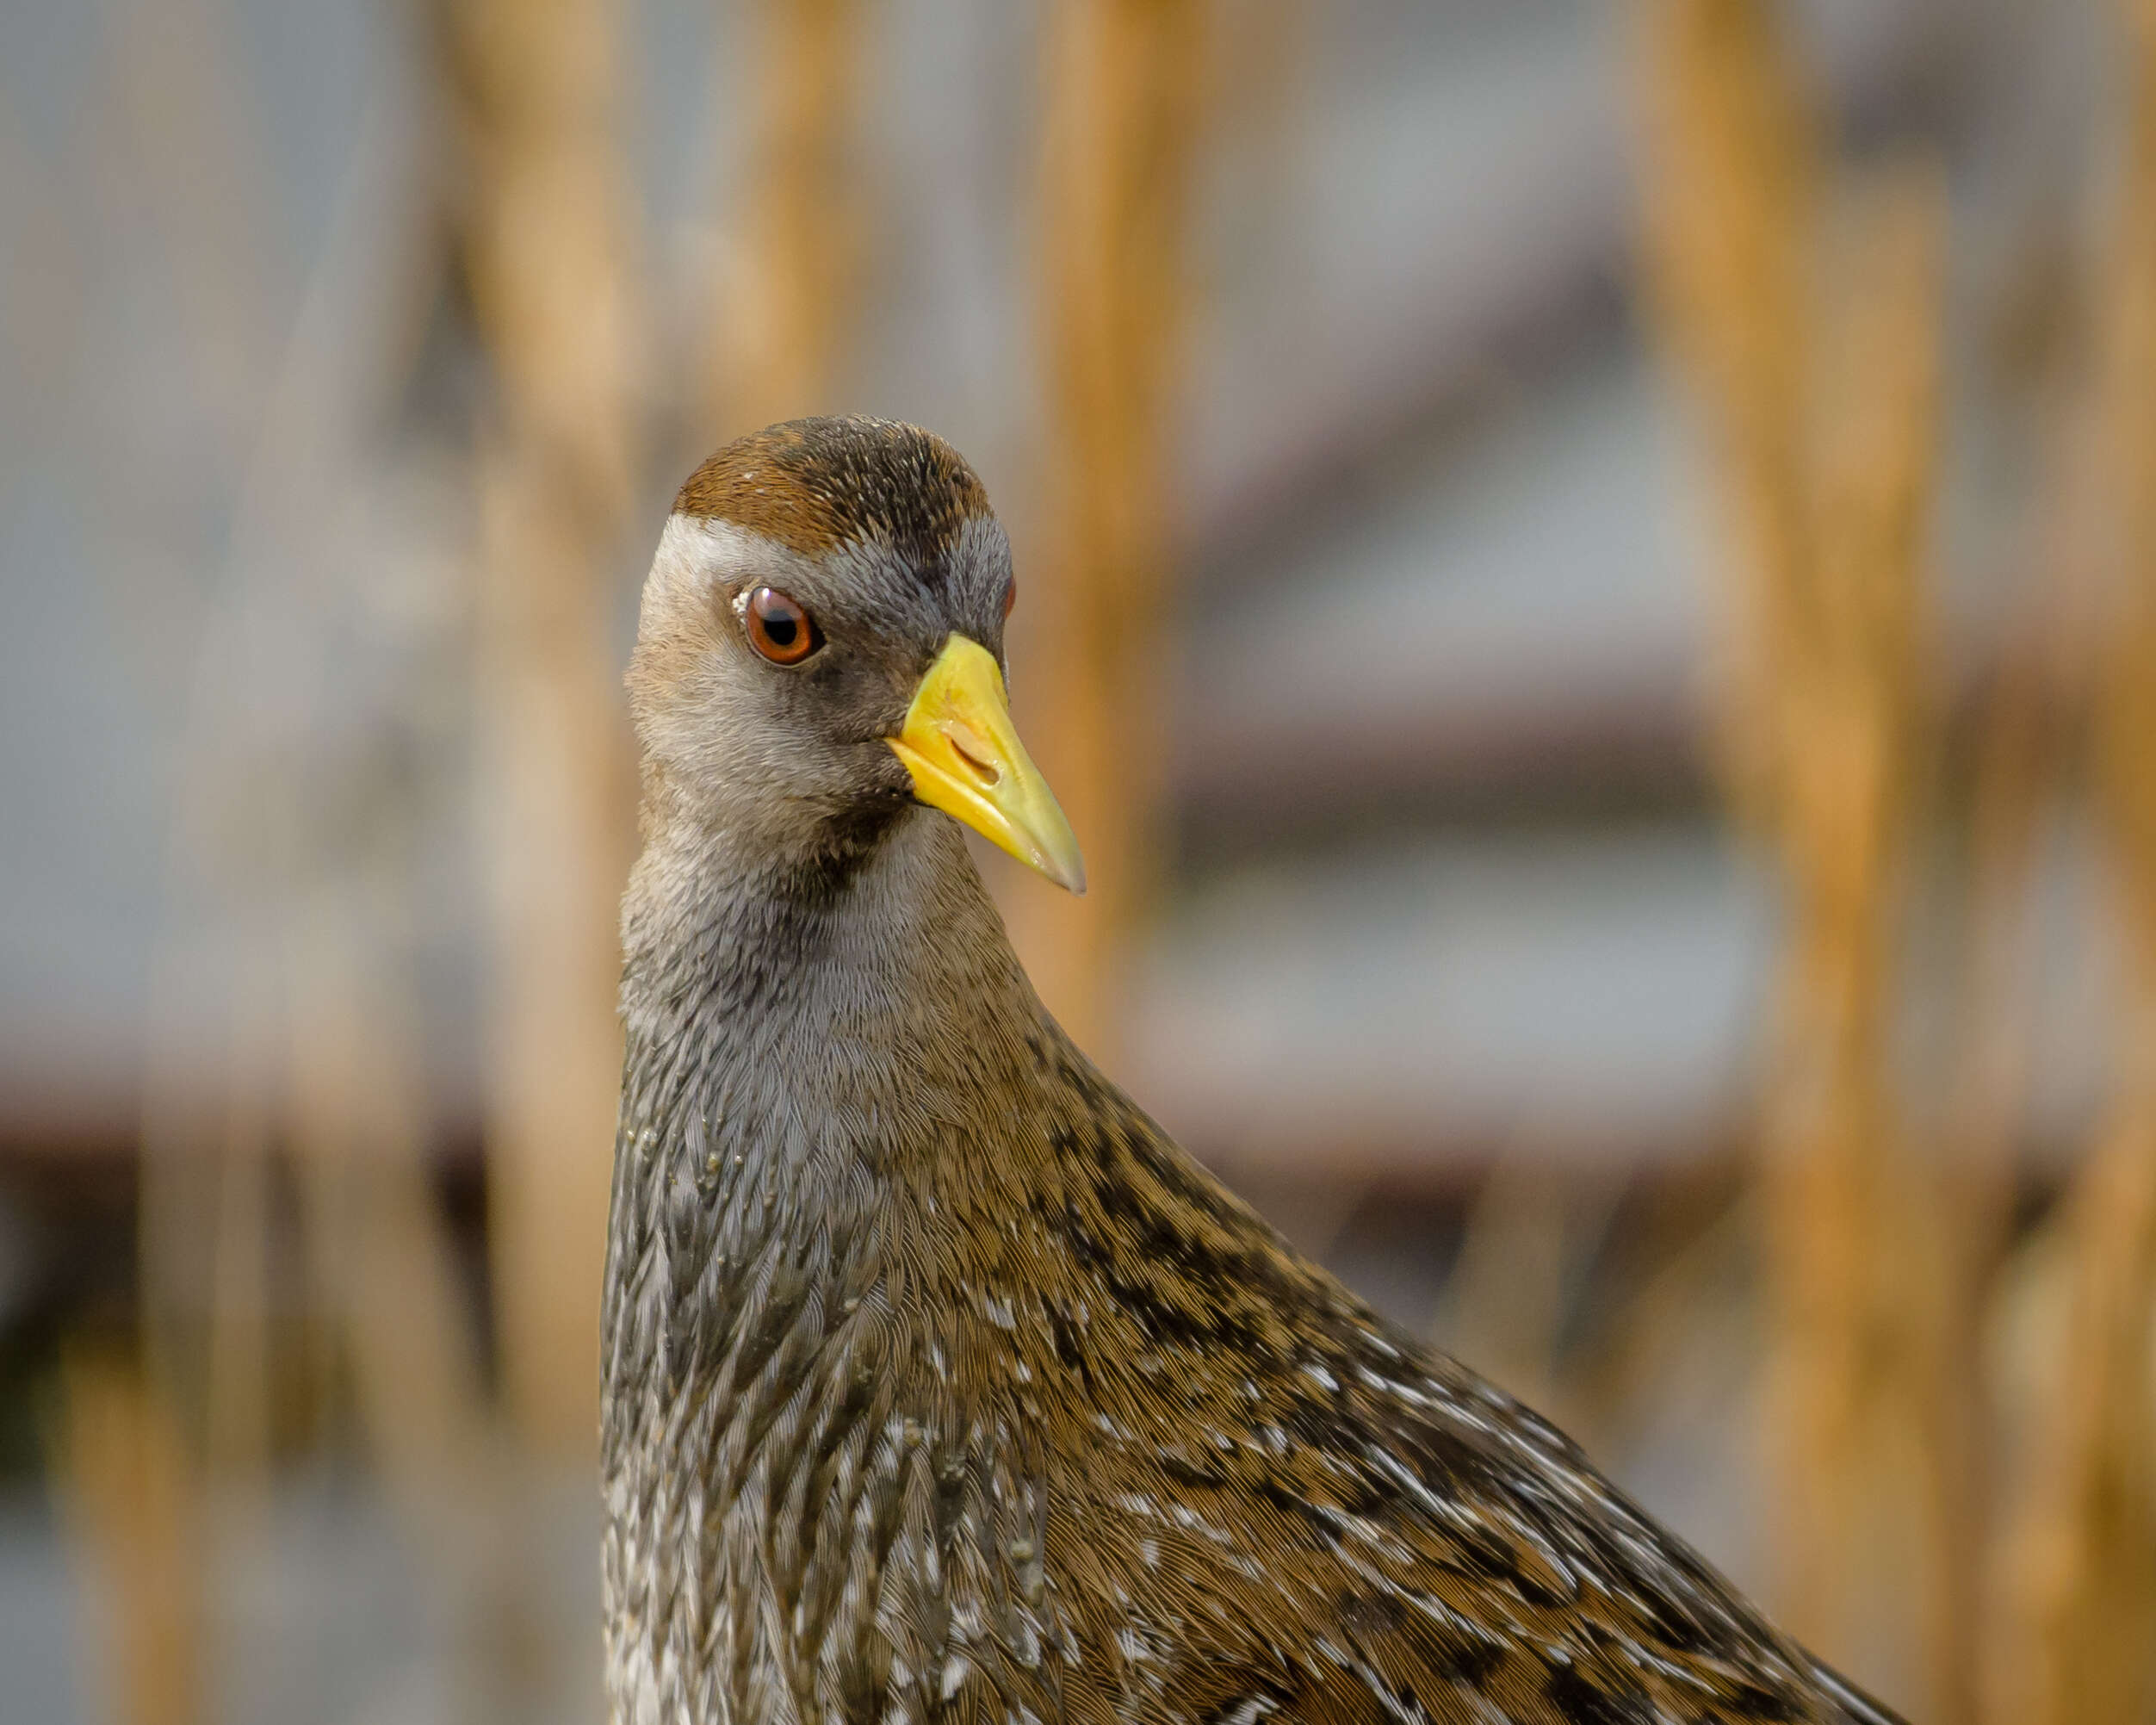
[[792, 759]]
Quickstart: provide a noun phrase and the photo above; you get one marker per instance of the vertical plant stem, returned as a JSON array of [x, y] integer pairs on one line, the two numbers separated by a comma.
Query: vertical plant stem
[[1855, 1259], [239, 1356], [546, 256], [2088, 1580], [1122, 131], [1731, 211], [1820, 422], [131, 1506], [376, 1242], [2019, 756], [780, 328]]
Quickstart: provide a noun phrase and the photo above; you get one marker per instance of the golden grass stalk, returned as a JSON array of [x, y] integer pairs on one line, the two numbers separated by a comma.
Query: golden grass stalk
[[1982, 1122], [2021, 754], [2086, 1554], [1124, 113], [781, 321], [240, 1365], [130, 1505], [202, 1224], [1820, 420], [399, 1335], [1857, 1265], [1730, 214], [180, 114], [377, 1246], [547, 255]]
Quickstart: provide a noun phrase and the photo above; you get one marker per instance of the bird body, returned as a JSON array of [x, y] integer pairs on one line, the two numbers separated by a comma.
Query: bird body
[[939, 1382]]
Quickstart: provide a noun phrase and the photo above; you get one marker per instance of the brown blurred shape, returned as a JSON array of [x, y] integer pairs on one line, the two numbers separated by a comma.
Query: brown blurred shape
[[1851, 1212], [131, 1504], [1820, 412], [1124, 106], [2084, 1555], [781, 314], [543, 232]]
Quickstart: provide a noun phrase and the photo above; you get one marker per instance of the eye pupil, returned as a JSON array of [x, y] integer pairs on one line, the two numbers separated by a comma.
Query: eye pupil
[[778, 627]]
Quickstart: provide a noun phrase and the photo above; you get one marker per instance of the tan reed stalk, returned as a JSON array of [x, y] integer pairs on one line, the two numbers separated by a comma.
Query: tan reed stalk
[[782, 315], [1123, 126], [382, 1269], [376, 1244], [186, 110], [2020, 761], [131, 1509], [1858, 1257], [1820, 424], [240, 1364], [2087, 1554], [1730, 213], [547, 255], [180, 122], [1982, 1120]]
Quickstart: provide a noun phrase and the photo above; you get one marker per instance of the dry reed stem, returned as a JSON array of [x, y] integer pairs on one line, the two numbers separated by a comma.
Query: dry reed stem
[[1856, 1386], [1731, 211], [547, 255], [2087, 1553], [215, 1369], [1821, 427], [2020, 757], [2085, 1560], [194, 1305], [375, 1241], [1984, 1114], [384, 1273], [238, 843], [1122, 131], [188, 116], [179, 124], [131, 1507], [780, 326], [240, 1363]]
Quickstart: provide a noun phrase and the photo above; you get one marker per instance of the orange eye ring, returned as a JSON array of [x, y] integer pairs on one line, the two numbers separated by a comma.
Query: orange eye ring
[[1010, 597], [778, 627]]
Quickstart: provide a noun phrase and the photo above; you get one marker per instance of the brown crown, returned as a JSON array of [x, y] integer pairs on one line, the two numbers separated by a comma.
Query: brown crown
[[815, 484]]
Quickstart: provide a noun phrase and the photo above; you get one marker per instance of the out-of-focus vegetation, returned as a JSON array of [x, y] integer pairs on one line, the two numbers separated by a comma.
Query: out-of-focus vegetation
[[298, 1267]]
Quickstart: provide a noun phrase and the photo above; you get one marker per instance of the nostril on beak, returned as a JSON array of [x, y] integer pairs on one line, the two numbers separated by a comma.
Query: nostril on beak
[[985, 770]]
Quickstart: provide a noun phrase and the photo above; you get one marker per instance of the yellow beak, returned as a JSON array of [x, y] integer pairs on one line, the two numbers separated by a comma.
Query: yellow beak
[[959, 743]]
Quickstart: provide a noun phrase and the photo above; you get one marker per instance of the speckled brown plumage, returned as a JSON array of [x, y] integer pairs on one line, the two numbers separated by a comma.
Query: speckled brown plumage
[[940, 1384]]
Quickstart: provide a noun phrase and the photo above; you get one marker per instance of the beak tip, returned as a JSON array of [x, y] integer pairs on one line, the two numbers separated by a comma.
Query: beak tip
[[1065, 867], [965, 758]]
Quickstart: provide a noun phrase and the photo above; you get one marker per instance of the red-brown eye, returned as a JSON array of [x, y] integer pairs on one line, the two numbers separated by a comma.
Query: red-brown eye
[[1010, 597], [779, 628]]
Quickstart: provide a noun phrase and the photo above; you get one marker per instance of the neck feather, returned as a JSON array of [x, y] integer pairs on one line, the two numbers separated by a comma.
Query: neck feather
[[801, 1042]]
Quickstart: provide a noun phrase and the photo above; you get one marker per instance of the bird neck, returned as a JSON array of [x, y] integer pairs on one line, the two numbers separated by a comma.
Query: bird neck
[[818, 1059], [801, 1041], [863, 973]]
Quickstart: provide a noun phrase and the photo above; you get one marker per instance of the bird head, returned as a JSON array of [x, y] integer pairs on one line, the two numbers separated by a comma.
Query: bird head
[[820, 645]]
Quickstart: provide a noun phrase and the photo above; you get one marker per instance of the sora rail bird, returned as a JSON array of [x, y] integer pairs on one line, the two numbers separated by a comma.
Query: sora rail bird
[[939, 1382]]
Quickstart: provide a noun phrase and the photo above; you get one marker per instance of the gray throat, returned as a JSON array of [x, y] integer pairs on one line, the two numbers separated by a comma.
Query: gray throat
[[804, 1048]]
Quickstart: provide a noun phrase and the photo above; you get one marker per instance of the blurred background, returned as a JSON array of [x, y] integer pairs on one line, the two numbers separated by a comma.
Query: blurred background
[[1589, 582]]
